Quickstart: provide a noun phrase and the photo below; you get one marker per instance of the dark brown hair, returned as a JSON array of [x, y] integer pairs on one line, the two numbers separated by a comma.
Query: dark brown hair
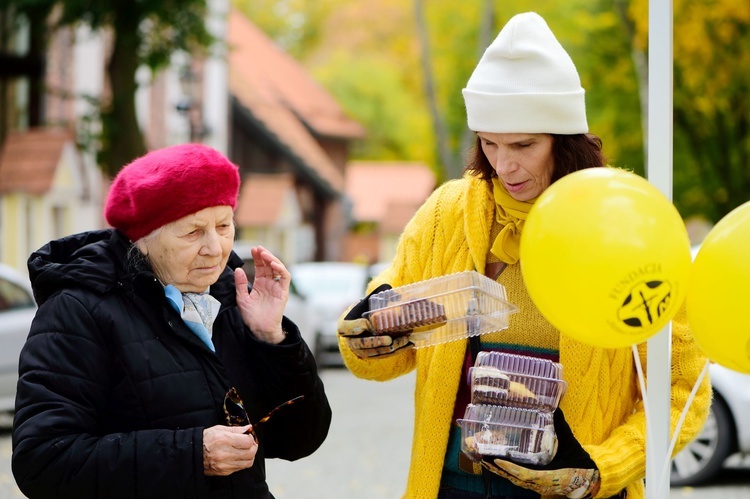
[[571, 153]]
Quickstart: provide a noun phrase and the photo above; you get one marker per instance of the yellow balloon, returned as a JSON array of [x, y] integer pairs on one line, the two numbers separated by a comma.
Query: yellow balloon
[[605, 257], [719, 292]]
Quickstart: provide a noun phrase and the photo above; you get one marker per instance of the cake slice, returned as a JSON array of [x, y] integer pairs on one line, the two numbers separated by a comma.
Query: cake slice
[[489, 385]]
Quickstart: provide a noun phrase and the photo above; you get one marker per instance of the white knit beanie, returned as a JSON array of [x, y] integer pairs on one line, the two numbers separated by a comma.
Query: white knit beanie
[[525, 83]]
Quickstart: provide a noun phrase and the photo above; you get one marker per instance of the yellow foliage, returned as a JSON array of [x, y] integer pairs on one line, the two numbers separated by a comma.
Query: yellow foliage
[[708, 46]]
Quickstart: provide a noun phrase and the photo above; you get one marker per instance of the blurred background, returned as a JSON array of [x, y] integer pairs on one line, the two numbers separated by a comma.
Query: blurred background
[[342, 115]]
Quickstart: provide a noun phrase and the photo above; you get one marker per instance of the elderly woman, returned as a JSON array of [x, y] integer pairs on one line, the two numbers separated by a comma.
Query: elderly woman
[[526, 105], [147, 341]]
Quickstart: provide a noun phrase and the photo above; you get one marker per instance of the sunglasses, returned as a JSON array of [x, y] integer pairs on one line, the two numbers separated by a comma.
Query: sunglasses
[[234, 409]]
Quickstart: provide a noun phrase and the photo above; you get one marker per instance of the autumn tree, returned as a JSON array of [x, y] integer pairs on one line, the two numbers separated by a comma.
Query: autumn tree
[[429, 49], [454, 36], [366, 55], [399, 67], [295, 25], [711, 103], [143, 32]]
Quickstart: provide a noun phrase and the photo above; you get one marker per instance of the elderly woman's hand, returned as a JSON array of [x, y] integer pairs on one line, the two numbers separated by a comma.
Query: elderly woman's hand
[[227, 449], [263, 307]]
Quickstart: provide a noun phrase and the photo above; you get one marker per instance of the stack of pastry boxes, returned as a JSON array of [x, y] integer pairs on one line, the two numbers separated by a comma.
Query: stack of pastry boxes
[[513, 398], [442, 309]]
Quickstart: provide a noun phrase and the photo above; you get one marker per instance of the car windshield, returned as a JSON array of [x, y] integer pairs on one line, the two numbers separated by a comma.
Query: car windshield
[[13, 296]]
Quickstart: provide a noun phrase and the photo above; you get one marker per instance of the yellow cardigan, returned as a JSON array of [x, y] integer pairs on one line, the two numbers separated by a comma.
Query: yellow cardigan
[[602, 404]]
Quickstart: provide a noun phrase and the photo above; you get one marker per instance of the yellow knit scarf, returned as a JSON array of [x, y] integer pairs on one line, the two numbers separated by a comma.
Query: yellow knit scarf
[[511, 215]]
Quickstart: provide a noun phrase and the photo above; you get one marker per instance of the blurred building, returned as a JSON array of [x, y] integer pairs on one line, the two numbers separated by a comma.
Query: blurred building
[[283, 123], [49, 185], [46, 188], [247, 98], [384, 196]]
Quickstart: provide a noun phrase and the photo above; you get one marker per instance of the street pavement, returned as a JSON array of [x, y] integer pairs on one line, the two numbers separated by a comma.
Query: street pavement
[[368, 448], [366, 454]]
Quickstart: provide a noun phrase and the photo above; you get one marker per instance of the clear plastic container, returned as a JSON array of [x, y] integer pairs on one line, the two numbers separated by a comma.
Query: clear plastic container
[[442, 309], [521, 435], [520, 364], [517, 381]]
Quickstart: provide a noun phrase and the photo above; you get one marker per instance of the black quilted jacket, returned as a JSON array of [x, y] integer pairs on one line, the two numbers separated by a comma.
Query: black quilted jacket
[[115, 391]]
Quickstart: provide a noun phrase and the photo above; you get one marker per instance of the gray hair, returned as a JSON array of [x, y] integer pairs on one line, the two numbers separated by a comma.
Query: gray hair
[[135, 260]]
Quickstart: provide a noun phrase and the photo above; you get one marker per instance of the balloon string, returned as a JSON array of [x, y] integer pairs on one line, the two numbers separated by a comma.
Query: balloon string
[[681, 421], [642, 382]]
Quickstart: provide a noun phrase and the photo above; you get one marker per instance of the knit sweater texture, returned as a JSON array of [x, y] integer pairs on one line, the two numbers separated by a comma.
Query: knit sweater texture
[[603, 405]]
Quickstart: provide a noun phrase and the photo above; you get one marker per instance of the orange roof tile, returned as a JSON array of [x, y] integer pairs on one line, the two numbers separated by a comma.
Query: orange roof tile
[[29, 160], [289, 131], [374, 186], [262, 197], [281, 96], [278, 78]]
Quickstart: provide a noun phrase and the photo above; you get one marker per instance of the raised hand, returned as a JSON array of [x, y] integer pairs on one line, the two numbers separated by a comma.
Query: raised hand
[[262, 308]]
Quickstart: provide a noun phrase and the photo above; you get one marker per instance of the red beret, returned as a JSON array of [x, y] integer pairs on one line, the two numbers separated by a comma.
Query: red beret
[[168, 184]]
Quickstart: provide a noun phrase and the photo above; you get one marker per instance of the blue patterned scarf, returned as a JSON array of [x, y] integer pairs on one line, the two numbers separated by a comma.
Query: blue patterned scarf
[[198, 310]]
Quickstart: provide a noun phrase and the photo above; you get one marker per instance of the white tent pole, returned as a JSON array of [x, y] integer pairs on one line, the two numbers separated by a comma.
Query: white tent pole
[[659, 172]]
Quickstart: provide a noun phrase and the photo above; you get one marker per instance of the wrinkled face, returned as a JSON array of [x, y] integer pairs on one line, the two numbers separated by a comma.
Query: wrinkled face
[[190, 253], [523, 161]]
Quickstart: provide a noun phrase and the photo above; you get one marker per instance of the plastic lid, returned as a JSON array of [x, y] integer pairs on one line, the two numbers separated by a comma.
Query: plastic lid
[[442, 309], [490, 385], [521, 364]]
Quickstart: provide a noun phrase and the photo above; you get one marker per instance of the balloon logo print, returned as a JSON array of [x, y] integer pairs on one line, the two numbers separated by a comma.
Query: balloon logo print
[[645, 304]]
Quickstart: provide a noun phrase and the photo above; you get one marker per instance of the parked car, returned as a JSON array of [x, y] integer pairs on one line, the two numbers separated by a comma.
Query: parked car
[[331, 287], [726, 432], [298, 309], [17, 309]]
